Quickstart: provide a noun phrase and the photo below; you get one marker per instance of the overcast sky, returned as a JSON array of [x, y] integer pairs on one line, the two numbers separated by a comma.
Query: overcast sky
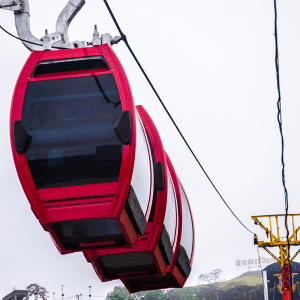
[[212, 62]]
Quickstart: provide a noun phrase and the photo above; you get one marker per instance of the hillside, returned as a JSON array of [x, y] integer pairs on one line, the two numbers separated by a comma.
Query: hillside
[[252, 278], [248, 286]]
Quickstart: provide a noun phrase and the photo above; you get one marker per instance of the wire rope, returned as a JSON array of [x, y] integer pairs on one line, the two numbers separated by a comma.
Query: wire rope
[[124, 38], [60, 48], [279, 119]]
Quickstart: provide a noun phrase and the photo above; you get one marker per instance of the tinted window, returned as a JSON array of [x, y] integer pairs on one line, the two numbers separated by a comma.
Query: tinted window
[[141, 178], [171, 217], [187, 237], [67, 65], [76, 232], [127, 262], [72, 123]]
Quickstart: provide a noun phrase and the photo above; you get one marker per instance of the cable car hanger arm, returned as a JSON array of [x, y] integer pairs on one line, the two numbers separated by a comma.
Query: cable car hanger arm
[[66, 16], [60, 38]]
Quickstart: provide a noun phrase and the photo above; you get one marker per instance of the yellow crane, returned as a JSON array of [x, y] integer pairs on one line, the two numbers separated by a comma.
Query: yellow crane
[[275, 240]]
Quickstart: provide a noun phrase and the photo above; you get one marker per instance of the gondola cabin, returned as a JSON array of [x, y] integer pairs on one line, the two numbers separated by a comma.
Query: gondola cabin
[[179, 269], [80, 150], [134, 264], [153, 251]]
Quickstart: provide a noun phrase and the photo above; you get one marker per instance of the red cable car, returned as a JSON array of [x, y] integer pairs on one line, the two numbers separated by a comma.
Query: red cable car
[[81, 153], [92, 167], [154, 250], [179, 270]]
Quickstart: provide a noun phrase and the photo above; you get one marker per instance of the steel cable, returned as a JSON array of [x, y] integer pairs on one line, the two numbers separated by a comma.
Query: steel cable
[[157, 95], [124, 38], [279, 119], [60, 48]]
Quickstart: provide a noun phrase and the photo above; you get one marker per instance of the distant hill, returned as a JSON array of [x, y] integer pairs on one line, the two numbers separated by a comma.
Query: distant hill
[[248, 286], [252, 278]]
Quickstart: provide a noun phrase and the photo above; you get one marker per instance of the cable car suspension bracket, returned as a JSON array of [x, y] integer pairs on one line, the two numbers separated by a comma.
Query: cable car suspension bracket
[[58, 39]]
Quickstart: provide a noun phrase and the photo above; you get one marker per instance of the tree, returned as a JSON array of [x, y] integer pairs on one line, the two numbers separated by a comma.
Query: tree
[[155, 295], [37, 291], [210, 277], [215, 274], [120, 293]]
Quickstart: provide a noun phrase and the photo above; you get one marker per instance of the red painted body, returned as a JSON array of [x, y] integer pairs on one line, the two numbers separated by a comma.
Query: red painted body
[[105, 200], [172, 277], [148, 243], [286, 282], [55, 205]]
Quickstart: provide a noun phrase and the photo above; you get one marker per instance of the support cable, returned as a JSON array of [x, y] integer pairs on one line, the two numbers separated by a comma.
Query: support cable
[[279, 119], [60, 48], [124, 38]]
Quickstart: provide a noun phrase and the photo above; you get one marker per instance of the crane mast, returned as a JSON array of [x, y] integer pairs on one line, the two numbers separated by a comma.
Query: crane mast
[[283, 243]]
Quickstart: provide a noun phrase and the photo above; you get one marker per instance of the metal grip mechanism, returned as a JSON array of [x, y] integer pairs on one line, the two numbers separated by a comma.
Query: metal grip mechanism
[[58, 39]]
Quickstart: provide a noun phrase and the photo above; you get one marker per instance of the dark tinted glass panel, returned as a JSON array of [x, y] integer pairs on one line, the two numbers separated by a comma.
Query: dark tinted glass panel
[[90, 231], [127, 262], [78, 64], [183, 262], [150, 282], [72, 121]]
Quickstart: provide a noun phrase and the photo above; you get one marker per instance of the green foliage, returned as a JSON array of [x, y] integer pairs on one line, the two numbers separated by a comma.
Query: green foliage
[[154, 295], [184, 294], [120, 293], [232, 292]]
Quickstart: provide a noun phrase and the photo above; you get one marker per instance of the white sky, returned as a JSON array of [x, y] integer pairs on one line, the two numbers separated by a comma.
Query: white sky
[[212, 62]]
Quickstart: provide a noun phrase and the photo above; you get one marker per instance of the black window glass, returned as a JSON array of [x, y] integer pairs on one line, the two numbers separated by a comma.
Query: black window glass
[[127, 262], [90, 231], [72, 122], [67, 65]]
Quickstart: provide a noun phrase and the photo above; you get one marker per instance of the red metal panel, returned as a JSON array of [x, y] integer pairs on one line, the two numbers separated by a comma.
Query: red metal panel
[[148, 243], [45, 212], [172, 276], [20, 160], [76, 212], [77, 191], [144, 244], [159, 153]]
